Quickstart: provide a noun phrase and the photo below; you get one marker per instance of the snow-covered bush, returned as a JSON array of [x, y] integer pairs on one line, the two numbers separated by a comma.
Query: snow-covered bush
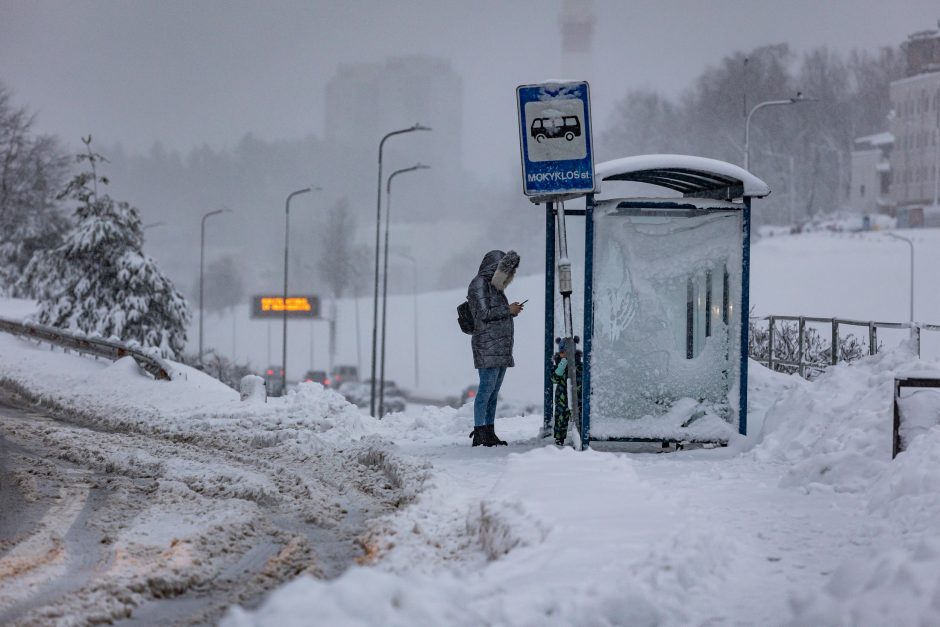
[[99, 281], [817, 352], [222, 368]]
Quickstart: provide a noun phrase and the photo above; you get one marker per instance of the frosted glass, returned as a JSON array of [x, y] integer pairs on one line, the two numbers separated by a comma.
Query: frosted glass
[[662, 355]]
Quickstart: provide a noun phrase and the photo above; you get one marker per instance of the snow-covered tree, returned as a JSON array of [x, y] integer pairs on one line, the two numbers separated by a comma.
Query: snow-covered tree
[[98, 281], [32, 169]]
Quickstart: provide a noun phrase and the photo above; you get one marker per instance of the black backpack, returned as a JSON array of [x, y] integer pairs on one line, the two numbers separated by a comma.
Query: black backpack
[[465, 317]]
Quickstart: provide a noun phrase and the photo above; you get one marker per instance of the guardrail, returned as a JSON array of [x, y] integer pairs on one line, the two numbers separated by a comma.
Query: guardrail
[[872, 326], [82, 344]]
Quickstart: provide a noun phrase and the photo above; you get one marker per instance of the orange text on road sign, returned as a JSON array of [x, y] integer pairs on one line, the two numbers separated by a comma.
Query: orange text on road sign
[[294, 303]]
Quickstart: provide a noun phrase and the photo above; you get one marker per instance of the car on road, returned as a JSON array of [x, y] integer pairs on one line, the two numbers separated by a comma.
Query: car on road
[[341, 374], [355, 392], [394, 400], [360, 394], [274, 380], [468, 393], [318, 376], [505, 408]]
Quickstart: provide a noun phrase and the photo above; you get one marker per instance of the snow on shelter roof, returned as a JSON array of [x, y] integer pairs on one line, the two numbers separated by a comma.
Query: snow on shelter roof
[[693, 176]]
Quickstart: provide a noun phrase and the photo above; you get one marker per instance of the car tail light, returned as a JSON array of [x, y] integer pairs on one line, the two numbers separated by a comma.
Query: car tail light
[[270, 371], [471, 394], [326, 382]]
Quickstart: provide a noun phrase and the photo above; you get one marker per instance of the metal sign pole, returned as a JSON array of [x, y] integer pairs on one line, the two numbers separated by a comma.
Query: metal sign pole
[[564, 288], [556, 151], [547, 399]]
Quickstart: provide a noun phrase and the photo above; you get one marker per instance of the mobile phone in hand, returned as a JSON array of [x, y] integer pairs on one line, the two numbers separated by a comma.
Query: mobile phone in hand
[[524, 302]]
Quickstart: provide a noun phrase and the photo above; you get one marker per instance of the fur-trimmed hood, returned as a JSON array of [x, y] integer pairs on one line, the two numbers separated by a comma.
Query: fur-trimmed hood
[[499, 268]]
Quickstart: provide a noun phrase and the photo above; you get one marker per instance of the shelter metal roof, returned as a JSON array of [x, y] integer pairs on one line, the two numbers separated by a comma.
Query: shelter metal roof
[[692, 176]]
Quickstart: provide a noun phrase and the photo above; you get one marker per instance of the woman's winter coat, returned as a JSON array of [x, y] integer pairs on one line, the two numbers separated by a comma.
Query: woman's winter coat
[[492, 323]]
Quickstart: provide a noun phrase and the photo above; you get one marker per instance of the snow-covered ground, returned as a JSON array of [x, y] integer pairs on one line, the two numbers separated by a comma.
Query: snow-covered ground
[[807, 521]]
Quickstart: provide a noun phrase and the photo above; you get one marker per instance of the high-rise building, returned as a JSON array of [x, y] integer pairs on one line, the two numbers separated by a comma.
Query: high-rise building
[[915, 99], [364, 102], [922, 51], [367, 100]]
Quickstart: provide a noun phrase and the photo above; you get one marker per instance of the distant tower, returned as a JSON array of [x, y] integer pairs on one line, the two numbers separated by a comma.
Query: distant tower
[[577, 30]]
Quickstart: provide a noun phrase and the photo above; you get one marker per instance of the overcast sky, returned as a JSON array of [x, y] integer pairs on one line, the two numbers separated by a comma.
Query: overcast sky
[[188, 72]]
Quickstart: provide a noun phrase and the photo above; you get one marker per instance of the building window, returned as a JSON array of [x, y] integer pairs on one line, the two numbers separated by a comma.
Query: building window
[[862, 190]]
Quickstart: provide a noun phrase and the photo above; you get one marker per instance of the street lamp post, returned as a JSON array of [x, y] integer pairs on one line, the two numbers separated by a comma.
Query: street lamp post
[[202, 266], [911, 244], [388, 218], [284, 300], [375, 295], [761, 105]]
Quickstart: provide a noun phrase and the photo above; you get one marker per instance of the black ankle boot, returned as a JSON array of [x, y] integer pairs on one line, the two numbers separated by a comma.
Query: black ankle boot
[[479, 437], [491, 434]]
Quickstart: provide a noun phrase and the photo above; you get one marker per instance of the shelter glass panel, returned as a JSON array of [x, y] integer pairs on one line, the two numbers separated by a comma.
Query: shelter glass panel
[[667, 289]]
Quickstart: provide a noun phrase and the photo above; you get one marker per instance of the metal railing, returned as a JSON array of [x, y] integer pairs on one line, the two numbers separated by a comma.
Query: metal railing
[[801, 366], [82, 344]]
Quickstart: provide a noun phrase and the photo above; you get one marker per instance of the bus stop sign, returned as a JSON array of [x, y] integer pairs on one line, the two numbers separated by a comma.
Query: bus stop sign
[[555, 140]]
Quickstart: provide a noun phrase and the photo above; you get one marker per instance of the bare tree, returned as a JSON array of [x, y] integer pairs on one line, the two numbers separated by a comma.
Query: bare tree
[[871, 75], [643, 122], [338, 263], [803, 152]]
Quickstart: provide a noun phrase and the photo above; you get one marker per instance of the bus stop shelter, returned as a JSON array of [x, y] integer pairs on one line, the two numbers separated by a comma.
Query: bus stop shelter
[[666, 281]]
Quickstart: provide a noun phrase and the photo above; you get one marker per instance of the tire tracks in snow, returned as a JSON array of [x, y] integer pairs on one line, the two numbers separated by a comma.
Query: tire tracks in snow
[[186, 524]]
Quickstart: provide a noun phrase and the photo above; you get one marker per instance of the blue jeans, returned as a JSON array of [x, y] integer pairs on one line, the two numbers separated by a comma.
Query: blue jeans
[[484, 405]]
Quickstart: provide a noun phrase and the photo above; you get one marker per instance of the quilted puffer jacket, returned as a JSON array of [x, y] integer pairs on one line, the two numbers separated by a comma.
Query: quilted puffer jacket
[[492, 323]]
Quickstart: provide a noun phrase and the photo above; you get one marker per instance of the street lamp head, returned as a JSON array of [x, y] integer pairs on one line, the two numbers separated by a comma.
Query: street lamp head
[[420, 127], [391, 177], [801, 98]]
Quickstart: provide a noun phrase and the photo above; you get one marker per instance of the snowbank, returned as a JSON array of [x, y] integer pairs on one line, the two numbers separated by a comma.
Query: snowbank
[[805, 521]]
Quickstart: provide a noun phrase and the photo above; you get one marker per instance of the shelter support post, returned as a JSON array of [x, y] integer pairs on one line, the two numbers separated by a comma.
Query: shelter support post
[[834, 346], [800, 340], [549, 316], [770, 343], [588, 324], [896, 427], [743, 316]]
